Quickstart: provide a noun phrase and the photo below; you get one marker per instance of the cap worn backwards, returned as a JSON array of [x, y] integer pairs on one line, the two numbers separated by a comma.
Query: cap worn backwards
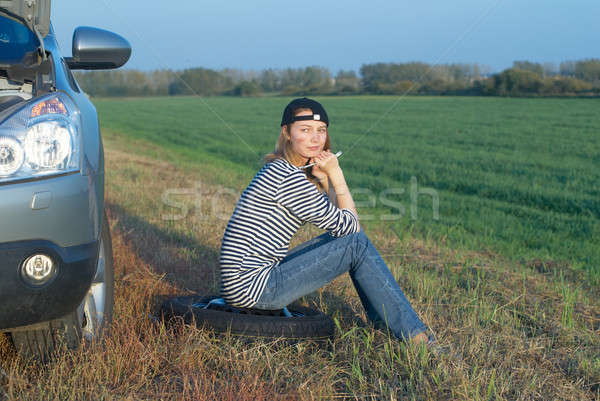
[[317, 109]]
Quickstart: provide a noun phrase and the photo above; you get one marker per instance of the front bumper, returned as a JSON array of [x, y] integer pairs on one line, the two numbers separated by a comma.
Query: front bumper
[[22, 304], [61, 217]]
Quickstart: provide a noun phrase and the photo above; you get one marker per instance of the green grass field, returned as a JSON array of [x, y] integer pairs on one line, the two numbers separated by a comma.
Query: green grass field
[[506, 278], [516, 176]]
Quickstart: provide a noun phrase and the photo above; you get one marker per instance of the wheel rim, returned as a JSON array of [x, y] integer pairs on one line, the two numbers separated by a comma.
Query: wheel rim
[[91, 310]]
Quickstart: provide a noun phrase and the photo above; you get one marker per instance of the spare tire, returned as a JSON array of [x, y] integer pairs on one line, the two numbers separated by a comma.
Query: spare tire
[[303, 324]]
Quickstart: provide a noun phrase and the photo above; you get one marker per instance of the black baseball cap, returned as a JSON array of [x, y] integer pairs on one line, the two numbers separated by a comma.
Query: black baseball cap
[[318, 114]]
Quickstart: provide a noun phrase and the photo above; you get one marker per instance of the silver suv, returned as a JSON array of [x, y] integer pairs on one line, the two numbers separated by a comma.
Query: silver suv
[[56, 270]]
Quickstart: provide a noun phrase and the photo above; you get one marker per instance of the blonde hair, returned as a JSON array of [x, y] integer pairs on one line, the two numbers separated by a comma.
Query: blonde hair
[[284, 150]]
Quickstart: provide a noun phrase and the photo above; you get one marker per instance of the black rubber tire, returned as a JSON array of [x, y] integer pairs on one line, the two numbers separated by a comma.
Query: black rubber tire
[[41, 341], [312, 325], [110, 276]]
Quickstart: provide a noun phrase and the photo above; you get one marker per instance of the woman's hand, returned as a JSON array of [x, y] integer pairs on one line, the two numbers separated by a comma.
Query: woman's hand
[[317, 172], [326, 164]]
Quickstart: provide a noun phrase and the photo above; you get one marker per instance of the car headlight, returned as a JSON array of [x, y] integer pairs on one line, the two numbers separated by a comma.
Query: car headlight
[[42, 138], [11, 156]]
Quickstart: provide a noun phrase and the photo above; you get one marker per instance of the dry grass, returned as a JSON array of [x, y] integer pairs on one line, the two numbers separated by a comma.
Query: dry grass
[[516, 332]]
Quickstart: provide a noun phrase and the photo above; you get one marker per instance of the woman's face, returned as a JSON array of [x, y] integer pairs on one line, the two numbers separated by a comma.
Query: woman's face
[[308, 137]]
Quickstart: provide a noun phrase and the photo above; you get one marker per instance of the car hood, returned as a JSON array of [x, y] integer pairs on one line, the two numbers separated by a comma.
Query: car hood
[[35, 14]]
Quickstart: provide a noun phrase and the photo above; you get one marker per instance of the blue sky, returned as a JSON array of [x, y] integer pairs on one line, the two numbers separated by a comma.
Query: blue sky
[[338, 34]]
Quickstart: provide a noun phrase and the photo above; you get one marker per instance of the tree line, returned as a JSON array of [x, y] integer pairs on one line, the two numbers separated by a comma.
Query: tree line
[[524, 78]]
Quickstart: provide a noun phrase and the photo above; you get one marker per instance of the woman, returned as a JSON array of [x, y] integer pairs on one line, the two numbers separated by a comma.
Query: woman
[[257, 271]]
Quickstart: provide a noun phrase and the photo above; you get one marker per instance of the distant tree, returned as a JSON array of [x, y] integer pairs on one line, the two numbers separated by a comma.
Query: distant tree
[[380, 76], [434, 87], [526, 78], [588, 70], [291, 77], [115, 83], [456, 72], [372, 76], [516, 82], [384, 77], [565, 86], [201, 81], [550, 69], [292, 90], [246, 88], [237, 76], [159, 81], [405, 88], [317, 77], [567, 68], [346, 82], [484, 87], [270, 80], [536, 68]]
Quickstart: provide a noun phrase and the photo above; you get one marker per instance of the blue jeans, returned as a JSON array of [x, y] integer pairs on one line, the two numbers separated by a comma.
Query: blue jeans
[[317, 262]]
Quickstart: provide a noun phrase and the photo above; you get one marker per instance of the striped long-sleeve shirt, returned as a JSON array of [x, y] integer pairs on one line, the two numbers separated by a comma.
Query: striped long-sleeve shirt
[[278, 200]]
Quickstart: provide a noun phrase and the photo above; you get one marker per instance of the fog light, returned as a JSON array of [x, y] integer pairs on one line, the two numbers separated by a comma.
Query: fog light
[[38, 270]]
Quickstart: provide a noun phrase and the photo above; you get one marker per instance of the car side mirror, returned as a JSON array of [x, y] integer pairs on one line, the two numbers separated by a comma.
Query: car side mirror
[[98, 49]]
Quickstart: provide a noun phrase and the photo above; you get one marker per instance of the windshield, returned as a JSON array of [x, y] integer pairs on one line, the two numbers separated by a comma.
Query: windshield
[[15, 40]]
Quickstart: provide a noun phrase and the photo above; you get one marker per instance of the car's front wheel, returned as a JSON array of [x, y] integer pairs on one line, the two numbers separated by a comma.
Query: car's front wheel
[[95, 312], [88, 321]]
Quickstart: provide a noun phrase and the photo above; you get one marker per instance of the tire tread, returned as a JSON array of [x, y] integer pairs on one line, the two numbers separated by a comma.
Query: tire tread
[[314, 325]]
